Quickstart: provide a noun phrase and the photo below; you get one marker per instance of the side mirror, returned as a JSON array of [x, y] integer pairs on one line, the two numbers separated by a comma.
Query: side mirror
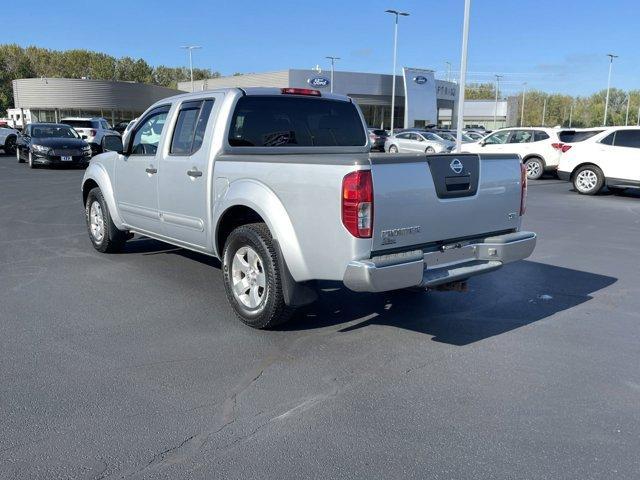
[[112, 143]]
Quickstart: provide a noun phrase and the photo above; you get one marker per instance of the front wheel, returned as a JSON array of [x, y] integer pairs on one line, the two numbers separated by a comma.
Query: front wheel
[[588, 180], [104, 235], [18, 156], [10, 145], [252, 277], [430, 150], [534, 168], [393, 149]]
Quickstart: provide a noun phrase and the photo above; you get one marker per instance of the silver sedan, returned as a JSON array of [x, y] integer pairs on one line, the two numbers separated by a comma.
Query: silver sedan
[[417, 142]]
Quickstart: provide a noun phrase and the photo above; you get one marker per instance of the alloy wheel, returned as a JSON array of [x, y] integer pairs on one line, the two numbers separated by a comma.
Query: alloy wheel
[[533, 169], [248, 278], [96, 221], [586, 180]]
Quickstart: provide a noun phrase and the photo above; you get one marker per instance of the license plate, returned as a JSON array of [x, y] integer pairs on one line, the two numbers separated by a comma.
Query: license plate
[[65, 158]]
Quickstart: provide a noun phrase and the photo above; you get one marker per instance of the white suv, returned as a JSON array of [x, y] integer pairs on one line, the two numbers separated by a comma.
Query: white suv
[[92, 130], [539, 147], [610, 158]]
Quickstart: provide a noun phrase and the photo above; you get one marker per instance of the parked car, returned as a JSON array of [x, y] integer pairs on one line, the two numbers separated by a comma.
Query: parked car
[[451, 135], [418, 141], [91, 129], [474, 136], [539, 147], [610, 158], [377, 138], [235, 174], [52, 144], [121, 127], [8, 137]]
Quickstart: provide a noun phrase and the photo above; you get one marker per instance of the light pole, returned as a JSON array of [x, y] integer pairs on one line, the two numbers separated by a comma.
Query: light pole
[[396, 13], [333, 61], [626, 118], [191, 48], [544, 110], [638, 118], [448, 64], [495, 110], [463, 74], [571, 113], [524, 90], [606, 103]]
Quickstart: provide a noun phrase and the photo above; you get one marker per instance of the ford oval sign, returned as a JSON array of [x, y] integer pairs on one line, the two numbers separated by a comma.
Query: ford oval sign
[[420, 80], [318, 82]]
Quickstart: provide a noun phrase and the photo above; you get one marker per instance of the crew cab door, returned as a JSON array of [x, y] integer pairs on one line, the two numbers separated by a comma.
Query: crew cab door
[[183, 185], [136, 185]]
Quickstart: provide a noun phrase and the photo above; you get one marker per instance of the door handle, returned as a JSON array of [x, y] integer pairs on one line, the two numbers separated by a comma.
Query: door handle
[[151, 170], [194, 173]]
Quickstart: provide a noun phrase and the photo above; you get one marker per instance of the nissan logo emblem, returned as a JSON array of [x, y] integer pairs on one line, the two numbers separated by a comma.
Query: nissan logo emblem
[[456, 165]]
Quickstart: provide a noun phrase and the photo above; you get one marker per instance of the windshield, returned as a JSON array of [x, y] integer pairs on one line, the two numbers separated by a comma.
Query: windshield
[[78, 123], [53, 131], [447, 136]]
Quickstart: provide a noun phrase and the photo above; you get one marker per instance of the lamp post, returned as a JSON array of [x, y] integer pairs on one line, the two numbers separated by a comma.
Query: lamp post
[[333, 61], [396, 14], [191, 48], [606, 103], [495, 110], [524, 90], [544, 110], [448, 64], [626, 118], [463, 74], [571, 113]]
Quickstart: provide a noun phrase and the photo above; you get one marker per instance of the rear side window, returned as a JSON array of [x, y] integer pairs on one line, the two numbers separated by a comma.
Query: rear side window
[[627, 138], [608, 140], [520, 136], [572, 136], [282, 121], [190, 127], [539, 135]]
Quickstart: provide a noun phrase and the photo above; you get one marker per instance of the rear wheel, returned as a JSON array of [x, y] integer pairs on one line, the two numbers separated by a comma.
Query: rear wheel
[[104, 235], [18, 156], [588, 180], [430, 150], [31, 164], [393, 149], [252, 277], [534, 167]]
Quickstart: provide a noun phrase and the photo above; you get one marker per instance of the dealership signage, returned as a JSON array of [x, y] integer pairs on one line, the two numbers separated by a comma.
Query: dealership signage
[[420, 79], [318, 82]]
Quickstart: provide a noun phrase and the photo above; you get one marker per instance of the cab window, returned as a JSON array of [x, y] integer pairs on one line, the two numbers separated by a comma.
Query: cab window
[[190, 127], [147, 136], [627, 138]]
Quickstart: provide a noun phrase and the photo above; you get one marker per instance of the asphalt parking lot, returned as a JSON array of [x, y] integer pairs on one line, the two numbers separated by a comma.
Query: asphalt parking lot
[[133, 366]]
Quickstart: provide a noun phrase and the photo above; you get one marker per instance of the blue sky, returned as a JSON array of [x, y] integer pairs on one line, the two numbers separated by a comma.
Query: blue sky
[[557, 46]]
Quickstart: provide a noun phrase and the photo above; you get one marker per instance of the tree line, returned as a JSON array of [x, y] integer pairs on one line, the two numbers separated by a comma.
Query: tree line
[[34, 62], [564, 110]]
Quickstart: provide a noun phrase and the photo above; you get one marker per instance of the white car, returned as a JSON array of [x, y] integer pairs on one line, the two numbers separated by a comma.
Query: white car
[[417, 142], [611, 158], [8, 137], [539, 147], [92, 130]]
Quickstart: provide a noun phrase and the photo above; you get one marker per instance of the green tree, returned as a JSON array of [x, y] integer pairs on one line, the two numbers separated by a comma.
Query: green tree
[[480, 91]]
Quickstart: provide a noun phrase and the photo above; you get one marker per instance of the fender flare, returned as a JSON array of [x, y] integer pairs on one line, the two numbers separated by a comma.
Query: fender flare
[[98, 173], [261, 199]]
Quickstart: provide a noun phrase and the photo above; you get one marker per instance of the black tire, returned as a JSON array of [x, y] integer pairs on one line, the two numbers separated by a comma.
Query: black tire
[[10, 145], [18, 156], [393, 149], [271, 310], [430, 150], [31, 164], [588, 180], [534, 167], [112, 239]]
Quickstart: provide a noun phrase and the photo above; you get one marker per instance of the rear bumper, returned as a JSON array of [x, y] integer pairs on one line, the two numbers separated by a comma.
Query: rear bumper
[[430, 269]]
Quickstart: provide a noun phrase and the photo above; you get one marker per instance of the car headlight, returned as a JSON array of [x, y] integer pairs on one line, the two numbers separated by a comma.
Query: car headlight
[[40, 149], [86, 149]]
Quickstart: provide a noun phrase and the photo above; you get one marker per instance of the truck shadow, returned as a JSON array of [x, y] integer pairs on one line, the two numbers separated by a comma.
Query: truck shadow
[[512, 297]]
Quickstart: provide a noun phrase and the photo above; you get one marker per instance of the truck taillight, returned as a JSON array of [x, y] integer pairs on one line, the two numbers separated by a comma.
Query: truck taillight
[[357, 203], [301, 91], [563, 147], [523, 188]]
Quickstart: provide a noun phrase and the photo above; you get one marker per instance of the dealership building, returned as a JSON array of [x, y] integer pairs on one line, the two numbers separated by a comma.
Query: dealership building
[[51, 99], [421, 99]]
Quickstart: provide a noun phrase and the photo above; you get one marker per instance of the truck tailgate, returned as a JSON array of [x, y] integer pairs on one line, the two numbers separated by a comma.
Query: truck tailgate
[[430, 199]]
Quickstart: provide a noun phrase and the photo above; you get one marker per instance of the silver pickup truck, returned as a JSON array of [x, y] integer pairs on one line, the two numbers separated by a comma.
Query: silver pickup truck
[[279, 185]]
